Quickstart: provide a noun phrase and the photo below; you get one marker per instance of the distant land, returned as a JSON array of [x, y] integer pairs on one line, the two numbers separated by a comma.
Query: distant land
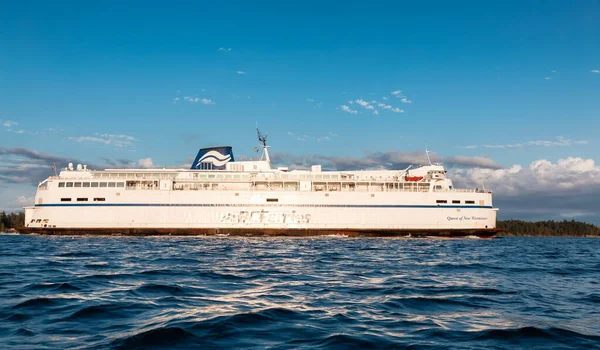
[[10, 221]]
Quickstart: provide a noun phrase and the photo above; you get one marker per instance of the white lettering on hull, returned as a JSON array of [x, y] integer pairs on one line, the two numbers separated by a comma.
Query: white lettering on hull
[[466, 218], [265, 217]]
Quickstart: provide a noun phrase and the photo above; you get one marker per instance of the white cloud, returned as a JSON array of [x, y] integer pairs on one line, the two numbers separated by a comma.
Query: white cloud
[[176, 99], [191, 99], [595, 71], [385, 98], [569, 174], [224, 49], [400, 95], [384, 106], [376, 112], [145, 163], [364, 104], [559, 142], [117, 140], [470, 146], [397, 110], [348, 109], [548, 78], [204, 101], [310, 100], [305, 137], [240, 72], [9, 123]]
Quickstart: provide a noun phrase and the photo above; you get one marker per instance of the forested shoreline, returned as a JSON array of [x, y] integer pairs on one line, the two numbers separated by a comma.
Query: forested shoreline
[[548, 228], [10, 221]]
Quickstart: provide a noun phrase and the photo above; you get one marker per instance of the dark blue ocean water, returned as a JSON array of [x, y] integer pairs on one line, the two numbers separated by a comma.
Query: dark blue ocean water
[[330, 292]]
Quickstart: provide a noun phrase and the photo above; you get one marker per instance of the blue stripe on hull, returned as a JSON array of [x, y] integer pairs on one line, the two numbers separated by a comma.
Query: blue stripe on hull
[[263, 205]]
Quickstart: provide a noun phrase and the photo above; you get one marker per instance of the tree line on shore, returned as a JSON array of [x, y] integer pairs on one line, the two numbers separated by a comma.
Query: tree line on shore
[[511, 227], [547, 228]]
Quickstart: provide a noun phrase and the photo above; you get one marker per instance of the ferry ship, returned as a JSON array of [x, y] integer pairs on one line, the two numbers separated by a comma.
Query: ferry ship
[[221, 196]]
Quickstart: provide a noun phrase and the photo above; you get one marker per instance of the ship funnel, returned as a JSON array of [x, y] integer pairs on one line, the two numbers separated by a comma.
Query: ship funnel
[[213, 158]]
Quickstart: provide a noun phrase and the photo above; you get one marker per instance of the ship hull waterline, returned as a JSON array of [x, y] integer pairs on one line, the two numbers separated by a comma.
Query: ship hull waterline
[[254, 232]]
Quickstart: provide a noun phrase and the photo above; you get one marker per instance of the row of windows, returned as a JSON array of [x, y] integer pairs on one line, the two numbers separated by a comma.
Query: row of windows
[[91, 184], [443, 201], [83, 199]]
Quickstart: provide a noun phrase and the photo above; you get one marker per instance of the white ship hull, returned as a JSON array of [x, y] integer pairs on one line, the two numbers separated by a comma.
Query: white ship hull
[[250, 213]]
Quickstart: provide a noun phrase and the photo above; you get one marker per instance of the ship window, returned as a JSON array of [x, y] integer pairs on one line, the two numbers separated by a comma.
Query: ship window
[[77, 184], [438, 187], [38, 220], [69, 184], [120, 184], [82, 199], [86, 184], [61, 184], [469, 202], [94, 184], [111, 184], [455, 202], [102, 184], [99, 199], [65, 199], [272, 200], [441, 201]]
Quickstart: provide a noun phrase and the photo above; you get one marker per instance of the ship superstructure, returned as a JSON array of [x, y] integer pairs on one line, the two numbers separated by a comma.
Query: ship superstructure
[[219, 195]]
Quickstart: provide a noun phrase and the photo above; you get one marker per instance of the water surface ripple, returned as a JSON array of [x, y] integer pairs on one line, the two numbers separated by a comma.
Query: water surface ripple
[[327, 292]]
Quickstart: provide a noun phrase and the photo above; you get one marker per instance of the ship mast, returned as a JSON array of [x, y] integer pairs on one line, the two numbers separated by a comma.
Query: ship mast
[[263, 139]]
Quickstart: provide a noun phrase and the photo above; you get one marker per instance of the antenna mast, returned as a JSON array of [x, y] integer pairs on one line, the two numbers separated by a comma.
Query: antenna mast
[[263, 140], [427, 154]]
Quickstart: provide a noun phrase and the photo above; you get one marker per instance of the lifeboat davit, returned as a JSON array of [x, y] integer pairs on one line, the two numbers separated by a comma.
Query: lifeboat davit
[[414, 178]]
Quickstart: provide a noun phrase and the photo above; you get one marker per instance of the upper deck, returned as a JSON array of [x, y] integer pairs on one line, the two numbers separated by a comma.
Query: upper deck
[[215, 169]]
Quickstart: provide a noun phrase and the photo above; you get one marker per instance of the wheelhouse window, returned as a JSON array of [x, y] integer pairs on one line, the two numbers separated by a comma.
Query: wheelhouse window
[[102, 184], [69, 184], [86, 184], [120, 184], [94, 184], [77, 184], [111, 184], [61, 184]]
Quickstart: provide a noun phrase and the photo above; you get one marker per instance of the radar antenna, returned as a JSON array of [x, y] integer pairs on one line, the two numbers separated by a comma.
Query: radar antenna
[[262, 138]]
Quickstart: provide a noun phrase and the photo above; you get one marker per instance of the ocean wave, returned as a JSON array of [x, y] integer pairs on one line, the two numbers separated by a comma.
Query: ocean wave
[[151, 289], [106, 311], [37, 303], [163, 337]]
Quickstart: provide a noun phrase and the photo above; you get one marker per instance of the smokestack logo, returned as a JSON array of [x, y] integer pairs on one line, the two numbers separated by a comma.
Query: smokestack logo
[[214, 157]]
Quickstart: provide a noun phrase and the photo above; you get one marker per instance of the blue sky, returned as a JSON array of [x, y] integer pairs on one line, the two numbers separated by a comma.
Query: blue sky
[[471, 75]]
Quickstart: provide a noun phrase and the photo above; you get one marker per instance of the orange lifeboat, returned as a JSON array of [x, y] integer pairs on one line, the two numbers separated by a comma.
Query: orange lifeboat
[[414, 178]]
